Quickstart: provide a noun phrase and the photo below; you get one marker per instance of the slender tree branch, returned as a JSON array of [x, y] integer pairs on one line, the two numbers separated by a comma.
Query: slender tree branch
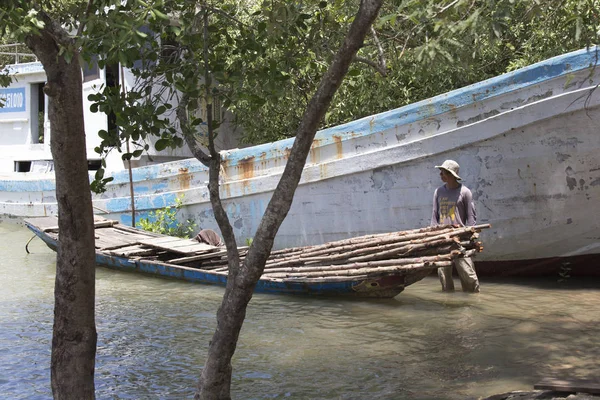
[[223, 13], [447, 7], [84, 18], [382, 62], [207, 90], [188, 134], [233, 257], [373, 64]]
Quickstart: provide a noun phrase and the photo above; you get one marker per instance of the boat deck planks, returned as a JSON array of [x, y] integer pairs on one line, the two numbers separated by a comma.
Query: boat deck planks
[[45, 223], [125, 241], [111, 238], [569, 385], [199, 257], [132, 251], [183, 246]]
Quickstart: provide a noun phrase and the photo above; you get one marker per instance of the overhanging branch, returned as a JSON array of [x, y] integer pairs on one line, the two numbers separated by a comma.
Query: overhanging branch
[[373, 64]]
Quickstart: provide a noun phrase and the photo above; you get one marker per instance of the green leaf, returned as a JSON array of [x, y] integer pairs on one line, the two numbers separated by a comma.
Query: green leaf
[[68, 56], [391, 18], [497, 30], [353, 72], [160, 14], [122, 57], [99, 174], [161, 144], [141, 34]]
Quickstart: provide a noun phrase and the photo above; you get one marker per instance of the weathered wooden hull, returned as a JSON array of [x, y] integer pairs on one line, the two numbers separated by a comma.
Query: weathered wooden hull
[[527, 143]]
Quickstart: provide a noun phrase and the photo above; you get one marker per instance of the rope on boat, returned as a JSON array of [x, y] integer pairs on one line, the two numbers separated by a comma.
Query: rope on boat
[[29, 241], [100, 209]]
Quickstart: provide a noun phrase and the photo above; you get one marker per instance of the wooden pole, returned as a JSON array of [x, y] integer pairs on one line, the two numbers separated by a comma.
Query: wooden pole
[[131, 191]]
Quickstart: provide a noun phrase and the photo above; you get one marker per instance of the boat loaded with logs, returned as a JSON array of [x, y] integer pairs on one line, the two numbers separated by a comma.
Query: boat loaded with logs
[[379, 265]]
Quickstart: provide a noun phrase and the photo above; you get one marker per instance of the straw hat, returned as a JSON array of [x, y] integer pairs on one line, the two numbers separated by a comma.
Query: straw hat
[[452, 167]]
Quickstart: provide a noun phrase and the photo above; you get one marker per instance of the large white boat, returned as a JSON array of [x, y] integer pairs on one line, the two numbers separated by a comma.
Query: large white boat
[[528, 143]]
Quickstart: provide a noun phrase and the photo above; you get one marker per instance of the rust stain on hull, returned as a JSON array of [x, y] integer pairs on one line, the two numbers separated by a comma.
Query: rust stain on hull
[[184, 178], [247, 171], [338, 146], [315, 151], [247, 167]]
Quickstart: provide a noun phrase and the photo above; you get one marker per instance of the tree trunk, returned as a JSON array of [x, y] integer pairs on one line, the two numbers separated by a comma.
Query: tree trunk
[[215, 380], [74, 332]]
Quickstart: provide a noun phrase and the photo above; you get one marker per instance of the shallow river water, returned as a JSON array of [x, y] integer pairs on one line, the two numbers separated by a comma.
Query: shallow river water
[[153, 336]]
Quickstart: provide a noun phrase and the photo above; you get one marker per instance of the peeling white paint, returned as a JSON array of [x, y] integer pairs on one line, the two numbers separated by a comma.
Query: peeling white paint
[[529, 155]]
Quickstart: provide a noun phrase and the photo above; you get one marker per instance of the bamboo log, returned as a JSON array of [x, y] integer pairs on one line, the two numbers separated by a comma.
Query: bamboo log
[[370, 264], [381, 252], [378, 266], [441, 243], [197, 257], [419, 249], [380, 240], [403, 251], [361, 271], [363, 241], [378, 245], [360, 239], [97, 224]]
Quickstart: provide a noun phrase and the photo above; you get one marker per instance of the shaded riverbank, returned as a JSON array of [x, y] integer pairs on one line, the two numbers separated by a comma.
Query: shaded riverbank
[[423, 344]]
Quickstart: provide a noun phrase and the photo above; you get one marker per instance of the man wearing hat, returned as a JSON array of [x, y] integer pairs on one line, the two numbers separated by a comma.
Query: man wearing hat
[[453, 205]]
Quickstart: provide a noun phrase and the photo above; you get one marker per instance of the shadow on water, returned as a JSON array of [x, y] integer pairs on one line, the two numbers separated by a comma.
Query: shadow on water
[[549, 283]]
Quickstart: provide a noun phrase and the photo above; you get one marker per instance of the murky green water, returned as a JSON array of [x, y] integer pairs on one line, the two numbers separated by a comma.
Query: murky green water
[[424, 344]]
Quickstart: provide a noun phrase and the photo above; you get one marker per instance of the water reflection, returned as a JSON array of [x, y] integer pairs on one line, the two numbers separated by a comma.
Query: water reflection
[[424, 344]]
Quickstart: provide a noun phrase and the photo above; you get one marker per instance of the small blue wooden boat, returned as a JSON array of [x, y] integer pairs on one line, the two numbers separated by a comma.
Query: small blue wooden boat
[[372, 266]]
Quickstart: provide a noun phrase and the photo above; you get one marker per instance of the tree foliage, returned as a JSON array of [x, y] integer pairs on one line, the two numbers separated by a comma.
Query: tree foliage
[[430, 47], [165, 221], [264, 59]]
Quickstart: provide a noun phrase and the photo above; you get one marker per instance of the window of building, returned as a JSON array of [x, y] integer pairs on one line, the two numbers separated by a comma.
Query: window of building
[[91, 70]]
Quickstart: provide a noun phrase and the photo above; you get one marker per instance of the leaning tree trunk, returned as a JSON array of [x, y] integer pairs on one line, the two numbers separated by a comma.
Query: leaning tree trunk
[[215, 381], [74, 332]]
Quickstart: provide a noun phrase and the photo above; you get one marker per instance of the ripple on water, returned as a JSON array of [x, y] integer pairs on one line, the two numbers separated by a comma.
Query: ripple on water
[[153, 337]]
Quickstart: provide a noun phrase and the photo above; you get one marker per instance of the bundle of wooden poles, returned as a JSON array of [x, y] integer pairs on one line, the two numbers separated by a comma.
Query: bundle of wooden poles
[[412, 250]]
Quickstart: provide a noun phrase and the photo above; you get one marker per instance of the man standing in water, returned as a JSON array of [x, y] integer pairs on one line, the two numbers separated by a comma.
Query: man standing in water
[[453, 205]]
